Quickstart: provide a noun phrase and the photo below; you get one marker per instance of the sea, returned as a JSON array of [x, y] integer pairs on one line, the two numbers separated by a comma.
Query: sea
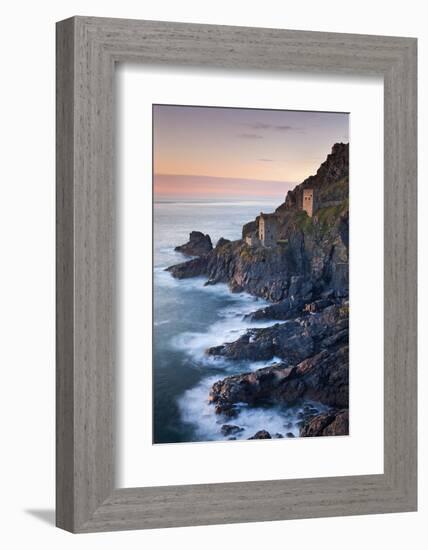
[[190, 317]]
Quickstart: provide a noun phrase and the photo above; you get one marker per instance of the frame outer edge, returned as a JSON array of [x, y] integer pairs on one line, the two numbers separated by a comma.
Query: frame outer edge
[[400, 308], [407, 316], [65, 108], [94, 275]]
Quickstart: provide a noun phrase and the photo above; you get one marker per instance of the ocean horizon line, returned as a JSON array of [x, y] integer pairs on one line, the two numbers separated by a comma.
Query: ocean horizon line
[[226, 178], [263, 200]]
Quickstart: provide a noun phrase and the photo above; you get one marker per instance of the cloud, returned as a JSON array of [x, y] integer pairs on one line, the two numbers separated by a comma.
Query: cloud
[[266, 160], [250, 136], [284, 128], [266, 126], [257, 125]]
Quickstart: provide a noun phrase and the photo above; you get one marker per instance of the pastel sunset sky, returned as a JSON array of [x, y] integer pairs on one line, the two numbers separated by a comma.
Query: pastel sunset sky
[[212, 152]]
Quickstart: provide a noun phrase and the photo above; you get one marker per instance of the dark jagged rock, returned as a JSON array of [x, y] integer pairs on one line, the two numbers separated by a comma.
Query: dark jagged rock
[[282, 311], [228, 410], [198, 245], [322, 378], [327, 180], [249, 228], [230, 429], [221, 242], [300, 287], [252, 388], [261, 434], [193, 268], [286, 341], [331, 423], [292, 341], [318, 305]]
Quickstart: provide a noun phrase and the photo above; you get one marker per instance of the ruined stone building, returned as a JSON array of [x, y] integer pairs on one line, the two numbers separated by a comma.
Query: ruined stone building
[[252, 239], [308, 201], [268, 229]]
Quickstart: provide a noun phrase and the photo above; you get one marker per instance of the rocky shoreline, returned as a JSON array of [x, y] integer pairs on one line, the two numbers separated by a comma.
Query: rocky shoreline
[[305, 277]]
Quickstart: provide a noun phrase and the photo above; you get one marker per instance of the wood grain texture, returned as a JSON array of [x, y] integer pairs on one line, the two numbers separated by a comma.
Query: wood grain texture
[[87, 49], [64, 276]]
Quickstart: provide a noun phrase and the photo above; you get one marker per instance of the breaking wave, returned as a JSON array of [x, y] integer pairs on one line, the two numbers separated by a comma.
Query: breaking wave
[[279, 421]]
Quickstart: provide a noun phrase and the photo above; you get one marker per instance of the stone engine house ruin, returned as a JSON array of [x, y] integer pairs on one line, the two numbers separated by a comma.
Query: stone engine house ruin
[[268, 229], [308, 202]]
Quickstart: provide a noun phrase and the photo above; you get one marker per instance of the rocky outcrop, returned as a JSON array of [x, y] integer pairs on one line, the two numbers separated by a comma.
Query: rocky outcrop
[[249, 228], [314, 367], [222, 242], [261, 434], [282, 311], [292, 341], [286, 341], [198, 245], [230, 429], [322, 378], [331, 423], [290, 309], [193, 268]]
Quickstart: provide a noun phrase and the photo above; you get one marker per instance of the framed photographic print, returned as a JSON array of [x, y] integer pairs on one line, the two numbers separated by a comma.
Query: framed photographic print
[[236, 274], [249, 270]]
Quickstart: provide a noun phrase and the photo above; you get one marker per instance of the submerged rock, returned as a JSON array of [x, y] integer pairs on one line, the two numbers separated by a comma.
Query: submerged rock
[[230, 429], [226, 409], [261, 434]]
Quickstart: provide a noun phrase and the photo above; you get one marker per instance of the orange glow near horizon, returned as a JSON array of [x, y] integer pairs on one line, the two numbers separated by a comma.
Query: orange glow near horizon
[[188, 186], [239, 152]]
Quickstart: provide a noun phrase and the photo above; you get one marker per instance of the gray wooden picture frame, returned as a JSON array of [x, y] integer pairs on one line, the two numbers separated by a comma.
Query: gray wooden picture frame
[[87, 50]]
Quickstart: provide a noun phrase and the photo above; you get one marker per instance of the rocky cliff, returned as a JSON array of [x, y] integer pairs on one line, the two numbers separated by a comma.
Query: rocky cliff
[[311, 257], [329, 181]]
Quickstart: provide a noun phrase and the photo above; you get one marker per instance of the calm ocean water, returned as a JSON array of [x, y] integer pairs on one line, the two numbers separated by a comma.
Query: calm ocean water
[[189, 318]]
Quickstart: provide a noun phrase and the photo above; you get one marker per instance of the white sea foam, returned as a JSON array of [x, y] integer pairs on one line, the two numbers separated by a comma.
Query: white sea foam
[[159, 323], [196, 410], [194, 406], [230, 326]]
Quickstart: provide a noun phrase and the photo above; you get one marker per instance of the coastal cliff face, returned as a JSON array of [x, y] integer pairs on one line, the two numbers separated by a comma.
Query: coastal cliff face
[[328, 181], [305, 276], [311, 257]]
